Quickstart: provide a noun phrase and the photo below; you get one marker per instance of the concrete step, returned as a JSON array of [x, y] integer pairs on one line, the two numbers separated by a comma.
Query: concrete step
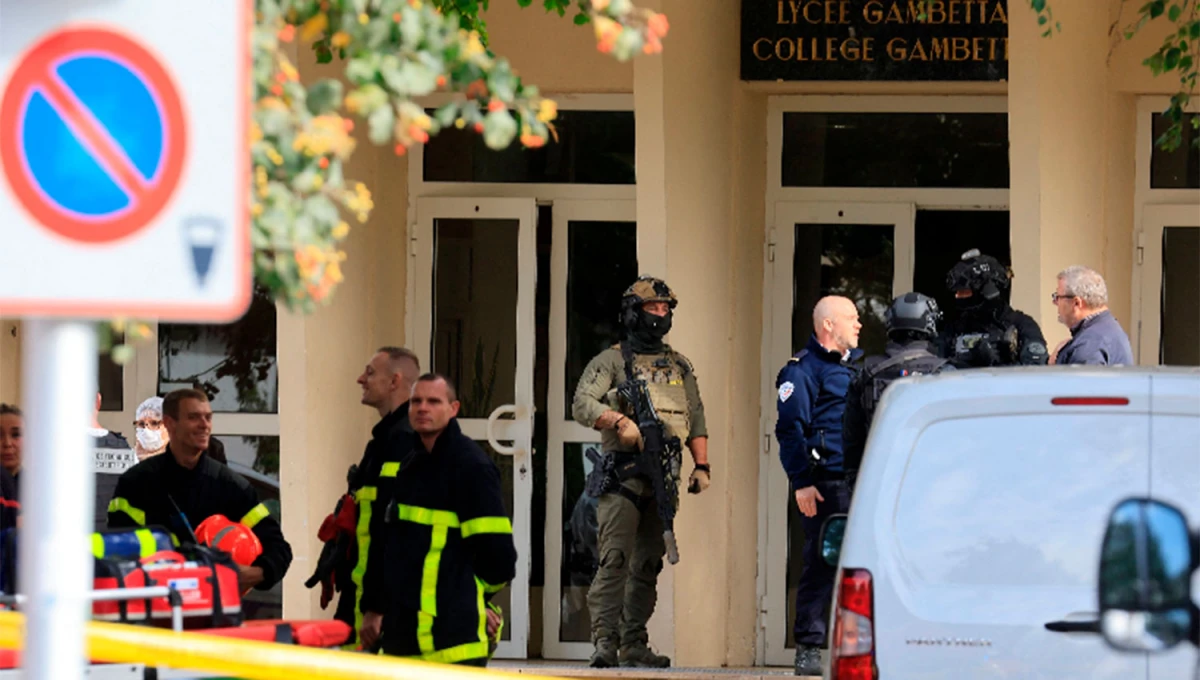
[[566, 669]]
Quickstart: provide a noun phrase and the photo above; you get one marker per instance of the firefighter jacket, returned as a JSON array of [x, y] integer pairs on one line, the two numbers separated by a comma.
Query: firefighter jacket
[[390, 448], [149, 493], [445, 549]]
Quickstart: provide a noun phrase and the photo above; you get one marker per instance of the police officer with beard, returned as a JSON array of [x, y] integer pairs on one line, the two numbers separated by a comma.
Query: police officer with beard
[[988, 332], [630, 541], [911, 329]]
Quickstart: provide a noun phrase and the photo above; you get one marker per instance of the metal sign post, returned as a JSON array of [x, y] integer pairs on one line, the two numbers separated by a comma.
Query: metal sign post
[[59, 391], [124, 192]]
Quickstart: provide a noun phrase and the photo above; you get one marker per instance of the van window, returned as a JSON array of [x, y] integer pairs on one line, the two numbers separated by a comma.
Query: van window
[[1017, 500]]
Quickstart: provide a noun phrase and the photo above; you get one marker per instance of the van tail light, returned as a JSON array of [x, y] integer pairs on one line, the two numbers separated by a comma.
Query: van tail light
[[852, 650], [1090, 401]]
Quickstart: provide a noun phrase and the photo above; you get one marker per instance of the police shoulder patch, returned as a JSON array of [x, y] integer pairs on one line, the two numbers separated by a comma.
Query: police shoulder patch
[[786, 390]]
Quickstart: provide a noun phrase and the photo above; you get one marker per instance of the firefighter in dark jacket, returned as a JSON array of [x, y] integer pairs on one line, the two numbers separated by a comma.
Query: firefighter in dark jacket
[[387, 383], [183, 486], [446, 548]]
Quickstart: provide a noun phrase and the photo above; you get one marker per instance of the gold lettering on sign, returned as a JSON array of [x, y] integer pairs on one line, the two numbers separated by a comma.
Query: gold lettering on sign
[[943, 14]]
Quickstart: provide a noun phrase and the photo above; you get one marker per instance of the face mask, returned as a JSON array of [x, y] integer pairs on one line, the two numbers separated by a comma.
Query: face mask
[[655, 326], [151, 440]]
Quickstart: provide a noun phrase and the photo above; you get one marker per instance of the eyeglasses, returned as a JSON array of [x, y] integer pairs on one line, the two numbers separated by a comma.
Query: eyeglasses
[[1055, 297], [147, 424]]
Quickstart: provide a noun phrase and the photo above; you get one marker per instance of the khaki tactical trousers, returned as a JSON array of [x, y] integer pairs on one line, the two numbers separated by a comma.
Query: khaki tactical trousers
[[623, 594]]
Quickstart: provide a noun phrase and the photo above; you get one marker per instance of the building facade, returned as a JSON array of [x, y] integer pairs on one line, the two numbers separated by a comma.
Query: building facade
[[775, 152]]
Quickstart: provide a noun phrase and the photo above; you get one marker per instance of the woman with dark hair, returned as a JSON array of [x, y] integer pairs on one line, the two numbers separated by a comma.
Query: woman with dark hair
[[12, 425]]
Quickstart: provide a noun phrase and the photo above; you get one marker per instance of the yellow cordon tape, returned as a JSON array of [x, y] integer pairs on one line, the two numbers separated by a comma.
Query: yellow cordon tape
[[123, 643]]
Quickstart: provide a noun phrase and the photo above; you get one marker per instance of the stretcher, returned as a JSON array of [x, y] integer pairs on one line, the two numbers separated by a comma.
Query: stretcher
[[322, 634]]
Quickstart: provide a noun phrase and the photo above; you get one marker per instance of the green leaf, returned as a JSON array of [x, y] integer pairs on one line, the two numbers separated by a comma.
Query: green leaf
[[446, 114], [1042, 20], [1174, 13], [1038, 5], [1194, 29], [1157, 7], [581, 19], [324, 96], [499, 129], [380, 124], [524, 3], [1171, 59]]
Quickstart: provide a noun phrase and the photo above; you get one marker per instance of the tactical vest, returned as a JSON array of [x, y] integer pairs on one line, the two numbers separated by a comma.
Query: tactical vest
[[664, 374], [908, 362]]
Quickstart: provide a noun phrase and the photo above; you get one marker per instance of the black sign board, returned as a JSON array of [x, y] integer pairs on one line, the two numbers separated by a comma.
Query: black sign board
[[904, 40]]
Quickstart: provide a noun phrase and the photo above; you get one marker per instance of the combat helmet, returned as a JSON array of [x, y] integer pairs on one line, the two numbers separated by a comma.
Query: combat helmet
[[983, 275], [645, 289], [914, 313]]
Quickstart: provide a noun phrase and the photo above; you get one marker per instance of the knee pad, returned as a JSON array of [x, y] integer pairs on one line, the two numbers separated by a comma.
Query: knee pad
[[613, 559]]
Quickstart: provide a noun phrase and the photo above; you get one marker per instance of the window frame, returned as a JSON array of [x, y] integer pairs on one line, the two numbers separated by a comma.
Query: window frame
[[139, 381]]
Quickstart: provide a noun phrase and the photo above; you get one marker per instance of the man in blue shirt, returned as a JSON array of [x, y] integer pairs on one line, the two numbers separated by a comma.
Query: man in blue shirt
[[1096, 337], [811, 401]]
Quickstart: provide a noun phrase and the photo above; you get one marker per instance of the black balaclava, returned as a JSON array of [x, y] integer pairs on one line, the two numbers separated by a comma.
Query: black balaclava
[[985, 277], [647, 331]]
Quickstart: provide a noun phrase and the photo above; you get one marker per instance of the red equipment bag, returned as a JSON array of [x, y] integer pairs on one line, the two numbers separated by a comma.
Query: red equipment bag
[[205, 579], [321, 633]]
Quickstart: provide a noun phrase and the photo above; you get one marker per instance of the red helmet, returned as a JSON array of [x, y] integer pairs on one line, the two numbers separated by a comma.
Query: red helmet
[[231, 537]]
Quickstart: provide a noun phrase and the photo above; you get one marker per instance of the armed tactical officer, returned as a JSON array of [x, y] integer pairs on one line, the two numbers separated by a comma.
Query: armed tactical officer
[[912, 329], [989, 332], [631, 475]]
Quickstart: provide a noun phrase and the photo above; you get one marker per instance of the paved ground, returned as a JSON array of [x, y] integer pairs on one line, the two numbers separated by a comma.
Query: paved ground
[[565, 669]]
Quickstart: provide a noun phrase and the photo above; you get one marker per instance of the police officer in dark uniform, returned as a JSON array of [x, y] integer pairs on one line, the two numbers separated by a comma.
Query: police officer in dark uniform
[[912, 329], [988, 331]]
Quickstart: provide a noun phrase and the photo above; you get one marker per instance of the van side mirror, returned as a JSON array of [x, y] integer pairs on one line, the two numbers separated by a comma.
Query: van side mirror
[[1146, 566], [832, 532]]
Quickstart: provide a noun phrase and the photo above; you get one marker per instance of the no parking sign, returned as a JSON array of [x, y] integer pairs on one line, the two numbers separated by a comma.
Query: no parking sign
[[125, 160]]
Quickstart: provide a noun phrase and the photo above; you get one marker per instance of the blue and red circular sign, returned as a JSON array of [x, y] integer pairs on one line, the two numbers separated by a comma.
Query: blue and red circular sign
[[92, 135]]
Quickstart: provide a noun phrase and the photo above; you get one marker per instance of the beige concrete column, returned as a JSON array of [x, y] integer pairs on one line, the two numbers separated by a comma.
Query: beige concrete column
[[1060, 142], [10, 361], [697, 176], [323, 426]]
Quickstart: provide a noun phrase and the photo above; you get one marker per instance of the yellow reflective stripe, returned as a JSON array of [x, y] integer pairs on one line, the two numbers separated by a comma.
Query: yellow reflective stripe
[[427, 516], [122, 505], [257, 514], [486, 525], [429, 579], [389, 470], [489, 588], [146, 544], [482, 610], [471, 650], [363, 534], [97, 546]]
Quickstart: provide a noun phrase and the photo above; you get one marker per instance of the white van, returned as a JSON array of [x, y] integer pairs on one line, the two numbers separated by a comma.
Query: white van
[[973, 539]]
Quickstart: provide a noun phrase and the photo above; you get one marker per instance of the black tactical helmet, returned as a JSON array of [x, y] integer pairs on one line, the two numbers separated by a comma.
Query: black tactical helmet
[[915, 313], [983, 275], [646, 289]]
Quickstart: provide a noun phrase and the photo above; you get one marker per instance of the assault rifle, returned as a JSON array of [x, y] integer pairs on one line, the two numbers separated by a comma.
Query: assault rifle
[[660, 457]]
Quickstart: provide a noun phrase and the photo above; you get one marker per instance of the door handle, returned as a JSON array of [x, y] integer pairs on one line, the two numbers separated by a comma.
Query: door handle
[[491, 429], [1092, 626]]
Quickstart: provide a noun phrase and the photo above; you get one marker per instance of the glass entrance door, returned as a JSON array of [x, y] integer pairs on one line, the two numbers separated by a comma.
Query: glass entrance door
[[1168, 307], [863, 251], [474, 321], [593, 260]]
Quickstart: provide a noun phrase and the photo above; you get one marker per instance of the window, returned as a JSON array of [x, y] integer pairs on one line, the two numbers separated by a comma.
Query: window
[[593, 147], [925, 150], [110, 379], [1178, 169]]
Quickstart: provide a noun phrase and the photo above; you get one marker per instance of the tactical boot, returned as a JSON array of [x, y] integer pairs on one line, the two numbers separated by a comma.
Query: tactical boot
[[808, 660], [605, 655], [639, 656]]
